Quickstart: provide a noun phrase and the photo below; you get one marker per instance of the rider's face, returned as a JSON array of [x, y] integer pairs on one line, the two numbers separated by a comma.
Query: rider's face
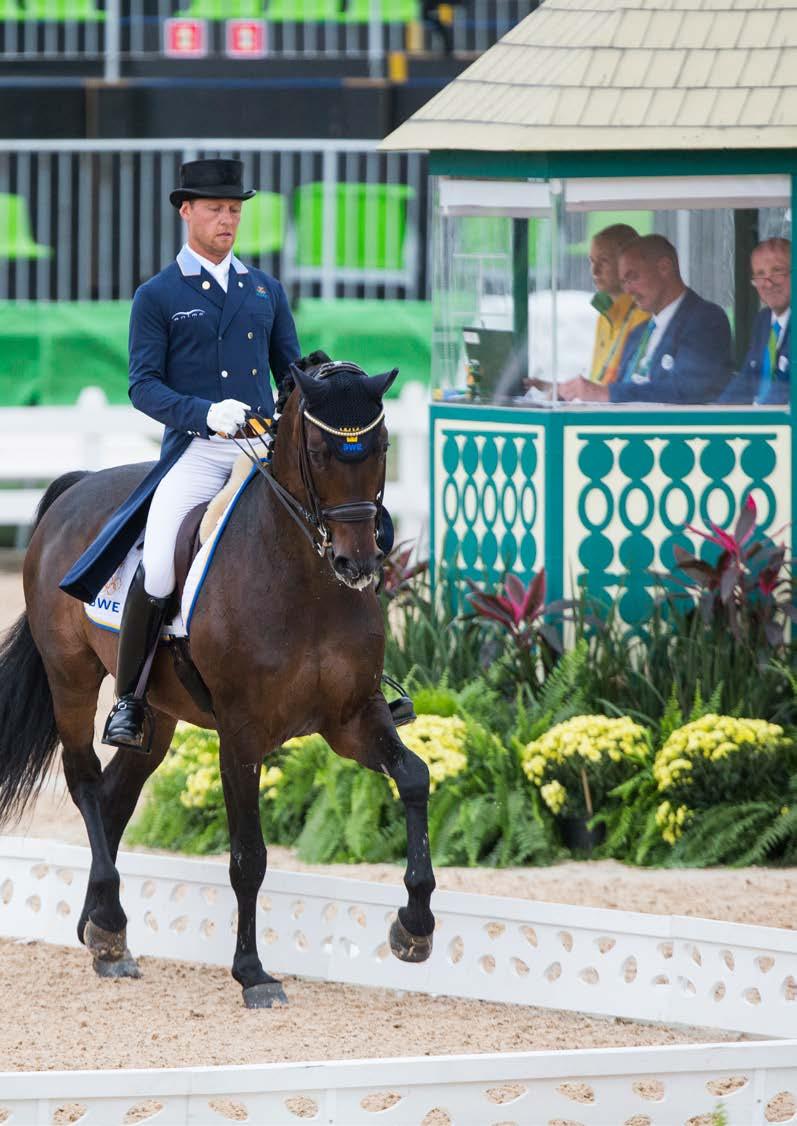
[[212, 225]]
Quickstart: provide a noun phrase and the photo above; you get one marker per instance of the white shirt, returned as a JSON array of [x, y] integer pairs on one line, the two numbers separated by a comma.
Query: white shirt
[[783, 321], [661, 323], [220, 271]]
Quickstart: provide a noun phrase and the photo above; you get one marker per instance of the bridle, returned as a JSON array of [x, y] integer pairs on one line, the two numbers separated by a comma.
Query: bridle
[[313, 521]]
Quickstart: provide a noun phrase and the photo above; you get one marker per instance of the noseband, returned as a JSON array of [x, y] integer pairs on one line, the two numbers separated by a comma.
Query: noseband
[[313, 522]]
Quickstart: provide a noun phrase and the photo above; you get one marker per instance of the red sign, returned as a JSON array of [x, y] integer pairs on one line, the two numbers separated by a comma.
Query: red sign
[[246, 39], [185, 39]]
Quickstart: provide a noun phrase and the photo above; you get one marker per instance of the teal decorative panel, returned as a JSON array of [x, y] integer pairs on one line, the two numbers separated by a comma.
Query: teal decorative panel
[[488, 498], [629, 491]]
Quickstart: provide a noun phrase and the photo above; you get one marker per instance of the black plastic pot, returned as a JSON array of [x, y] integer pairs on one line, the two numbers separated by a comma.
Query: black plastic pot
[[578, 837]]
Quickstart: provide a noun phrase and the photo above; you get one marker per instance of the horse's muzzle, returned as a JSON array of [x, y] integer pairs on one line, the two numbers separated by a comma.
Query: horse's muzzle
[[357, 574]]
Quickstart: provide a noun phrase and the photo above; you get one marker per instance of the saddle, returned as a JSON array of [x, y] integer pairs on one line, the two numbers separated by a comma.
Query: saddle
[[195, 529], [198, 525]]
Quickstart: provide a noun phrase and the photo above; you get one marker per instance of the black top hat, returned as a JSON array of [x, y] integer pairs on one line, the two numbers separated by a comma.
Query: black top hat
[[210, 179]]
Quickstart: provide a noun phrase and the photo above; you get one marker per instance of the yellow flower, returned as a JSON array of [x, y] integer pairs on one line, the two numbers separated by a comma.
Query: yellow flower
[[440, 742], [554, 795]]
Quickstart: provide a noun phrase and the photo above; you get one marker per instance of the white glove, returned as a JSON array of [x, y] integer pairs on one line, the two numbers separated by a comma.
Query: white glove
[[227, 416]]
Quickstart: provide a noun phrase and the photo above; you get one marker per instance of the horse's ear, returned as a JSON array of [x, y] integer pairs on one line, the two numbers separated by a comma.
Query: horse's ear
[[306, 383], [377, 385]]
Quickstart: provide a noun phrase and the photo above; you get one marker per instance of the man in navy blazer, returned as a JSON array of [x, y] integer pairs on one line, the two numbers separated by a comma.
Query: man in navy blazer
[[204, 333], [682, 354], [765, 375]]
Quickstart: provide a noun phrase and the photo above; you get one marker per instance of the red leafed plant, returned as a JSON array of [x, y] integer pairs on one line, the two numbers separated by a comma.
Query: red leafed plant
[[521, 612], [747, 589], [398, 570]]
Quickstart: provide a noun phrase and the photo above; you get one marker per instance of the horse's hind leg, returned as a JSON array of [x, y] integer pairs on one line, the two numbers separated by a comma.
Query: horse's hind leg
[[120, 788], [371, 739], [241, 757], [74, 704]]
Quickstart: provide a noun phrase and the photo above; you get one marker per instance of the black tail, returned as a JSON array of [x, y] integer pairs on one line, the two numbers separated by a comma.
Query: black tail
[[28, 734]]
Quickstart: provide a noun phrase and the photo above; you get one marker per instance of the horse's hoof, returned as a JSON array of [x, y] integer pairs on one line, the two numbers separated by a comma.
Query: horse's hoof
[[409, 947], [122, 967], [265, 996], [111, 955]]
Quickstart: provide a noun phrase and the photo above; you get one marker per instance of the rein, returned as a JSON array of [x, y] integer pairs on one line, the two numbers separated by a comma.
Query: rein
[[313, 523]]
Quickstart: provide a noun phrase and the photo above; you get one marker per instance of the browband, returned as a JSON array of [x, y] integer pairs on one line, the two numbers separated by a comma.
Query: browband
[[350, 432]]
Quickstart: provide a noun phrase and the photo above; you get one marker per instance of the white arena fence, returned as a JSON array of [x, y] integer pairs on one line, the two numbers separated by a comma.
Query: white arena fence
[[112, 33], [663, 1086], [677, 970], [334, 929], [88, 220], [38, 444]]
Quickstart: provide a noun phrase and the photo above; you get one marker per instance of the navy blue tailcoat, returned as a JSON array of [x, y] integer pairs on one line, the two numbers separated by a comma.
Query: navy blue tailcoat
[[744, 387], [191, 345], [691, 363]]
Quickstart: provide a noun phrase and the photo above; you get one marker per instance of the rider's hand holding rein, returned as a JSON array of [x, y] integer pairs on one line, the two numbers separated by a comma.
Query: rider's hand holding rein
[[228, 416]]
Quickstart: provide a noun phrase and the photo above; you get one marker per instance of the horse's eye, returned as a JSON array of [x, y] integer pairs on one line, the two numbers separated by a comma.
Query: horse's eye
[[318, 457]]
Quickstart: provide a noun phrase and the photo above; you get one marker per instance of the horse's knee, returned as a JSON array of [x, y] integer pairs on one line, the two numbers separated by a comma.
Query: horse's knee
[[411, 775]]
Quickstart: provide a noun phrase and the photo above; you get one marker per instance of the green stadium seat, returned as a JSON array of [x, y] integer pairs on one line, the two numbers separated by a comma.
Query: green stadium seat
[[82, 11], [304, 11], [262, 226], [641, 221], [490, 235], [224, 10], [388, 11], [371, 221], [16, 237]]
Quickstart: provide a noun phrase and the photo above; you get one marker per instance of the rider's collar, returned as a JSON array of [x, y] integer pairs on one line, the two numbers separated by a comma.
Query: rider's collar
[[190, 266]]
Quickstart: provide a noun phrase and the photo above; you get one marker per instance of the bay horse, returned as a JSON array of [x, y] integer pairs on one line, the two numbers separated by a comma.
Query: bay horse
[[287, 635]]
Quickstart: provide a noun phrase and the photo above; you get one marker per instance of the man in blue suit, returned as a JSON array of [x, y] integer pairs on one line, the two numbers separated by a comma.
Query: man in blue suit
[[765, 375], [682, 354], [204, 333]]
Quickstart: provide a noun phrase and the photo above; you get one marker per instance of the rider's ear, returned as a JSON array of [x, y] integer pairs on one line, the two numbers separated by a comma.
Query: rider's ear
[[377, 385]]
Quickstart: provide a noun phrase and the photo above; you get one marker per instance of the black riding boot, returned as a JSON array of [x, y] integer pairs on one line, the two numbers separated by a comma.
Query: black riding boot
[[142, 620]]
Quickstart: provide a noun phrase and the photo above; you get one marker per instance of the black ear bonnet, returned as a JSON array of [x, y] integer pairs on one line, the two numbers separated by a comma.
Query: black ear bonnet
[[346, 405]]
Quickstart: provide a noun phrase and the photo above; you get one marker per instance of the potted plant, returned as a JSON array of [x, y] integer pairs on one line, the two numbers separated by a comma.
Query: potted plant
[[577, 763]]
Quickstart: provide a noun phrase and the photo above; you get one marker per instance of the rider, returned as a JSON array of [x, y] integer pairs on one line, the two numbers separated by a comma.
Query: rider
[[203, 334]]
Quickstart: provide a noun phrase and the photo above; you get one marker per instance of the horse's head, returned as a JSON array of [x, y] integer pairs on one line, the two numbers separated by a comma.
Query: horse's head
[[334, 459]]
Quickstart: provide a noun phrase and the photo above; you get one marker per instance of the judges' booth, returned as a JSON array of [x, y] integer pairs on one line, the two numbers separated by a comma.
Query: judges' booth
[[585, 116], [599, 494]]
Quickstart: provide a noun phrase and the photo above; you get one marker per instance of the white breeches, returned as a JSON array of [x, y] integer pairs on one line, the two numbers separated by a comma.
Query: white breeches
[[199, 474]]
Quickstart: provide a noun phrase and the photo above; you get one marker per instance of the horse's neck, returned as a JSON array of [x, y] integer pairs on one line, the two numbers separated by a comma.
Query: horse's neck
[[285, 458]]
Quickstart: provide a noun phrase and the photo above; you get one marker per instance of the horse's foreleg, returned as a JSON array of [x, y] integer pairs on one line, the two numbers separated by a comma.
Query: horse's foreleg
[[372, 740], [241, 758]]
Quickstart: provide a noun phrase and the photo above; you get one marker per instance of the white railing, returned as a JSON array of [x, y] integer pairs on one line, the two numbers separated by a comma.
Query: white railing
[[115, 32], [666, 968], [662, 1086], [91, 220], [334, 929], [38, 444]]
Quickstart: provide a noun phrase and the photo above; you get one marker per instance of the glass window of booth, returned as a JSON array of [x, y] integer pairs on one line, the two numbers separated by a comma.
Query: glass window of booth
[[672, 290]]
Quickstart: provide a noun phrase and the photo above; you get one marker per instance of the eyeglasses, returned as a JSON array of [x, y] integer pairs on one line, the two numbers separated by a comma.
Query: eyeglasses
[[774, 276]]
